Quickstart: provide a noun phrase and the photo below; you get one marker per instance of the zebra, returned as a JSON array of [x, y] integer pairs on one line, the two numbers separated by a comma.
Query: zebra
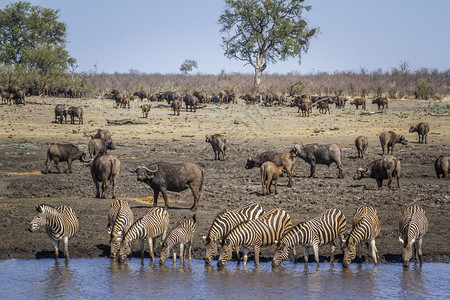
[[365, 228], [61, 224], [122, 222], [317, 232], [224, 222], [261, 232], [413, 225], [182, 234], [112, 214], [150, 227]]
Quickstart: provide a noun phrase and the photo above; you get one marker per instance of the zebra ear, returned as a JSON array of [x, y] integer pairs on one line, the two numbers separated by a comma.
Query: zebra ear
[[227, 242], [39, 208], [401, 240]]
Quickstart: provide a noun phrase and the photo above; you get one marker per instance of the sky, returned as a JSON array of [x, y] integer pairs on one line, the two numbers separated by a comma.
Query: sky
[[154, 36]]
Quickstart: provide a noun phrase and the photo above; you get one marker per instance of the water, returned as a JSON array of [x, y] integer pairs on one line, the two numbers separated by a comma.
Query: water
[[101, 278]]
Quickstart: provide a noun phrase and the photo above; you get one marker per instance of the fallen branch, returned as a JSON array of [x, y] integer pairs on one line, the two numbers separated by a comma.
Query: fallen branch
[[438, 115], [366, 113], [125, 122]]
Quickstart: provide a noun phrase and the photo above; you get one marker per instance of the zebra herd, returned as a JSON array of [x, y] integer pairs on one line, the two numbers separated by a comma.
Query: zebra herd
[[247, 227]]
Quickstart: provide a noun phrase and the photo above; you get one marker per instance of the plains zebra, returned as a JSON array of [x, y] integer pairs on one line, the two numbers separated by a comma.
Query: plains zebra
[[317, 232], [112, 214], [182, 234], [261, 232], [413, 225], [365, 228], [122, 222], [150, 226], [224, 222], [60, 223]]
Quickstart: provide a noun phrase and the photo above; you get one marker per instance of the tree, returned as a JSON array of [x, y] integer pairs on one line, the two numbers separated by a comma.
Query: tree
[[187, 65], [264, 31]]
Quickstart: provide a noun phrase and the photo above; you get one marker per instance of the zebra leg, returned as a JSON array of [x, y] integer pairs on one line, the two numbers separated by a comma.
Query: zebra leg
[[142, 249], [55, 246], [190, 251], [237, 255], [306, 254], [316, 253], [150, 244], [245, 257], [174, 253], [419, 246], [181, 254], [66, 247], [257, 249], [333, 248], [374, 251]]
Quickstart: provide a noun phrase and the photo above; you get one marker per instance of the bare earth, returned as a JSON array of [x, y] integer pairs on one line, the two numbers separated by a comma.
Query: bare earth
[[27, 131]]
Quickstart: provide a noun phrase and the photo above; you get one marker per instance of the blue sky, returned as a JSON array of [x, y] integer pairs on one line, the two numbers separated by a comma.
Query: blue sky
[[157, 36]]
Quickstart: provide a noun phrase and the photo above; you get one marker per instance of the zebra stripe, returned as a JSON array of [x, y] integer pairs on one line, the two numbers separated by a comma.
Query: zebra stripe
[[261, 232], [112, 214], [365, 228], [413, 225], [61, 224], [322, 230], [150, 226], [182, 234], [122, 222], [224, 222]]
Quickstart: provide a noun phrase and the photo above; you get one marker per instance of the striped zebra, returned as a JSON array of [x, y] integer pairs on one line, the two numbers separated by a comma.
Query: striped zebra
[[60, 223], [413, 225], [322, 230], [112, 214], [122, 222], [149, 227], [224, 222], [261, 232], [365, 228], [182, 234]]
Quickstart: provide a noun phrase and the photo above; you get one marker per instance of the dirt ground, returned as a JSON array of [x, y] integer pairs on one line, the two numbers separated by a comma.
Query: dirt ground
[[27, 131]]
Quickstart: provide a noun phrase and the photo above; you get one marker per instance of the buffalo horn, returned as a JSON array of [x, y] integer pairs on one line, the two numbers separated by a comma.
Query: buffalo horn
[[148, 170]]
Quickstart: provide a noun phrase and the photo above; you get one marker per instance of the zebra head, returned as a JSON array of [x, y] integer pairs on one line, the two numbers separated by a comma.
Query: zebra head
[[211, 249], [164, 253], [225, 253], [407, 254], [281, 254], [124, 250], [114, 242], [349, 253], [39, 219]]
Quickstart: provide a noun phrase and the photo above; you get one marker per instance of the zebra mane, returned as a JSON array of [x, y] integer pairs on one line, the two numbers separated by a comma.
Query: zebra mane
[[41, 208]]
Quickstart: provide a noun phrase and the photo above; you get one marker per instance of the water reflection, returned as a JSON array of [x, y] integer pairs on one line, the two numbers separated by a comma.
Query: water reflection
[[412, 281], [59, 279]]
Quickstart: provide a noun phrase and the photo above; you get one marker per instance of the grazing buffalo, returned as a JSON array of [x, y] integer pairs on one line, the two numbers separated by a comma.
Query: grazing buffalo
[[320, 154], [176, 106], [284, 159], [163, 177], [105, 135], [270, 173], [219, 144], [422, 129], [442, 166], [359, 102], [361, 144], [61, 111], [105, 168], [389, 139], [145, 110], [63, 152], [191, 102], [383, 168], [381, 102], [76, 112]]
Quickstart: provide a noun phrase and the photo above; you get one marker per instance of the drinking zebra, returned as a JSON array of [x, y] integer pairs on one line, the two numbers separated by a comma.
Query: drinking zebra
[[261, 232], [319, 231], [60, 222], [224, 222], [182, 234], [413, 225], [123, 218], [149, 227], [365, 228]]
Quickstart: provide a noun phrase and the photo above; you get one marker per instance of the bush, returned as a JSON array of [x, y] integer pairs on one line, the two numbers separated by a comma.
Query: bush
[[423, 90]]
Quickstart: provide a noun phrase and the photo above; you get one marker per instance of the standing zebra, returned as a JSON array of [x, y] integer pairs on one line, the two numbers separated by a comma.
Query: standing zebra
[[122, 222], [182, 234], [365, 228], [317, 232], [261, 232], [413, 225], [60, 223], [150, 227], [224, 222]]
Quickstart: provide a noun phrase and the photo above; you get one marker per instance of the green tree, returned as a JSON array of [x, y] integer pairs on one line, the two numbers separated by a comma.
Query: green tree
[[188, 65], [264, 31]]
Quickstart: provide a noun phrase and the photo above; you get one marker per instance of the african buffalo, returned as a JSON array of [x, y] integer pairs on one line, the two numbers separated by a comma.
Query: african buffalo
[[163, 177], [442, 166], [61, 111], [169, 96], [202, 96], [381, 102], [76, 112], [320, 154], [97, 147], [145, 110], [361, 144], [422, 129], [284, 159], [219, 144], [176, 106], [270, 173], [383, 168], [323, 107], [359, 102], [105, 168], [63, 152], [190, 101], [389, 139], [105, 135], [142, 94]]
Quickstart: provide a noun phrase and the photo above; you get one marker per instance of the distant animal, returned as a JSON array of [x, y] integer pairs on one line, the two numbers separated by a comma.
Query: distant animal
[[442, 166], [250, 99], [384, 168], [105, 168], [6, 97], [365, 228], [361, 144], [413, 225], [105, 135], [163, 177], [202, 96], [320, 154], [422, 129], [322, 230], [388, 139], [219, 144], [261, 232], [61, 112], [76, 112], [191, 102], [323, 107], [183, 235], [169, 96], [269, 174], [60, 222], [121, 218], [381, 102], [285, 159], [145, 110], [63, 152], [149, 227], [359, 102], [142, 94], [176, 106], [340, 101], [125, 102], [18, 97]]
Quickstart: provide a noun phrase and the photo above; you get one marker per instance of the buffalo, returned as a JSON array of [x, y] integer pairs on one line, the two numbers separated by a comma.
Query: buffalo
[[381, 102], [97, 147], [176, 106], [145, 110], [219, 144], [383, 168], [361, 144], [105, 135], [359, 102], [323, 107], [76, 112], [105, 168], [284, 159], [389, 139], [191, 102], [63, 152], [442, 166], [270, 173], [422, 129], [61, 111]]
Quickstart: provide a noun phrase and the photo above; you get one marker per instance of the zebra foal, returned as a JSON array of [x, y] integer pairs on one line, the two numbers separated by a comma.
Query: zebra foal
[[149, 227], [365, 228], [319, 231], [261, 232], [413, 225], [121, 217], [182, 234], [60, 222]]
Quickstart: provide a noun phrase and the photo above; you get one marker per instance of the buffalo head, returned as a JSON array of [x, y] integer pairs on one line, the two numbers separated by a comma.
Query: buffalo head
[[360, 173], [250, 163], [145, 174], [402, 140]]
